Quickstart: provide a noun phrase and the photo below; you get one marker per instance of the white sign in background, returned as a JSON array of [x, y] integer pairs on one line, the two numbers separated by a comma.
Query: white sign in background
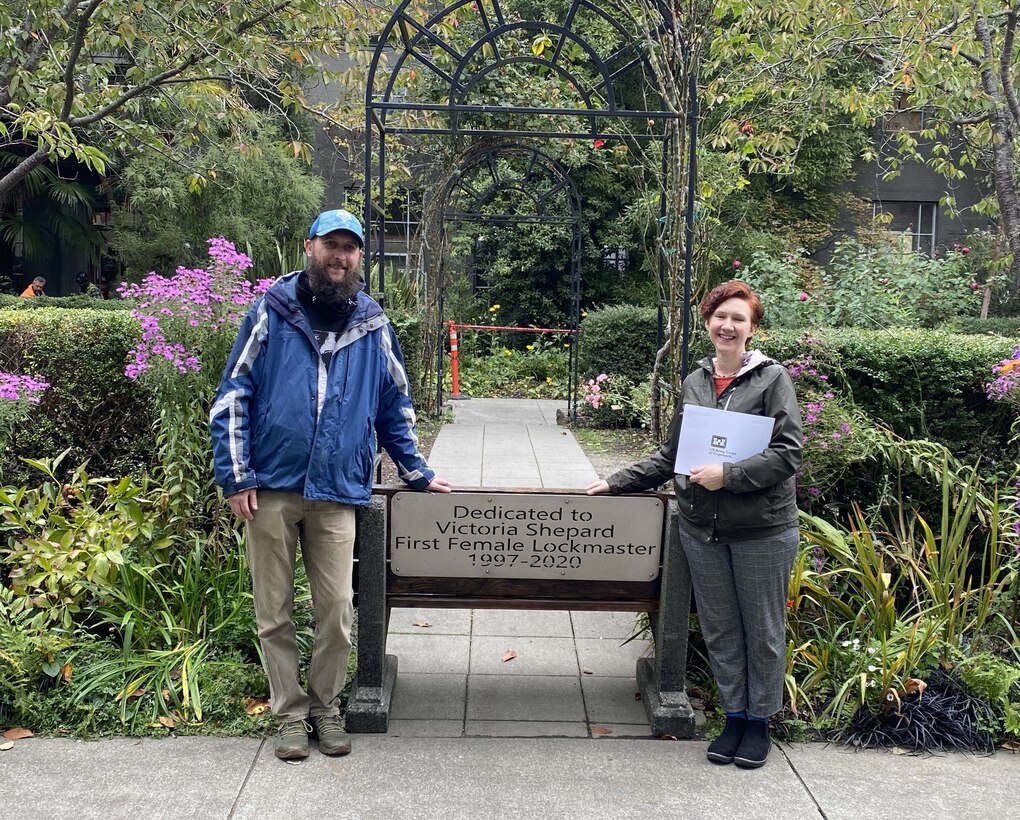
[[525, 535]]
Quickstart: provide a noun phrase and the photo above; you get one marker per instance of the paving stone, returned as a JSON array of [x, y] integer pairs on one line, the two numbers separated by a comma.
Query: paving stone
[[424, 728], [442, 621], [521, 779], [877, 783], [430, 653], [611, 700], [525, 697], [535, 656], [605, 625], [422, 696], [608, 658], [522, 622], [124, 777], [621, 731], [524, 728]]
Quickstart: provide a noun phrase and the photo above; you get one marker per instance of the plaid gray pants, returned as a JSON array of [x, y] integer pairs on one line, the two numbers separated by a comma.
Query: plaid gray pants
[[741, 590]]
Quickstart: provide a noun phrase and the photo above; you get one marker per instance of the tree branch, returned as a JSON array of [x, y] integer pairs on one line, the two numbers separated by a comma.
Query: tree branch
[[11, 179], [160, 79], [72, 61], [1006, 66], [35, 55], [977, 119]]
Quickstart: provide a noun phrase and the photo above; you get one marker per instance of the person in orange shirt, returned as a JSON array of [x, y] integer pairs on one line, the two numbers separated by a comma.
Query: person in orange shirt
[[36, 288]]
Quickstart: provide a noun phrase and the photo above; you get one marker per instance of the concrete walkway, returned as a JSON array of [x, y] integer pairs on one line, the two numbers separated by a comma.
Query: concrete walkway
[[571, 676], [553, 733]]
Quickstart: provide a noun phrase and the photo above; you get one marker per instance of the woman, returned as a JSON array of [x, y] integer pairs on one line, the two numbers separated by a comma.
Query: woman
[[738, 523]]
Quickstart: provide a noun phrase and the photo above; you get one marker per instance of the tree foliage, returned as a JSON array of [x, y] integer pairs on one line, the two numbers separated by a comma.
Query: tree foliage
[[83, 79], [256, 193], [954, 65]]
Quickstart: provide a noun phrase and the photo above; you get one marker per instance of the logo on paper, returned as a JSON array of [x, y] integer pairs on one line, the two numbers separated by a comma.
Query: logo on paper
[[719, 441]]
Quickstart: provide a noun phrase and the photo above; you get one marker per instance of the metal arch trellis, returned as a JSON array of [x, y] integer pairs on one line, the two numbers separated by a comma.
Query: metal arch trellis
[[447, 70], [548, 196]]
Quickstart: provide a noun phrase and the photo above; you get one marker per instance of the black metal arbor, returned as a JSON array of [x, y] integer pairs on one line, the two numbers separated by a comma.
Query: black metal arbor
[[485, 70], [516, 185]]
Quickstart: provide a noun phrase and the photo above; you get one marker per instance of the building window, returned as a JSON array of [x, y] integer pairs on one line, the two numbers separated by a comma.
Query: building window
[[616, 258], [913, 221], [904, 117]]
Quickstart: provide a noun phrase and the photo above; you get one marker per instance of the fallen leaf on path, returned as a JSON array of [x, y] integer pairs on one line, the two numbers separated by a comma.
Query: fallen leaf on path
[[587, 672], [6, 746], [256, 706], [668, 737], [422, 624], [18, 733], [899, 750], [601, 730], [1011, 746], [168, 722], [509, 655]]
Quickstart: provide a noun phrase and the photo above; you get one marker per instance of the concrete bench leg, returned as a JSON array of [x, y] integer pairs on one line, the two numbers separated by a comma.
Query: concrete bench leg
[[368, 710], [662, 679]]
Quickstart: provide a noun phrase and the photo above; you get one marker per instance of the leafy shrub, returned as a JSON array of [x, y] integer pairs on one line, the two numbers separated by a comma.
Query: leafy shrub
[[90, 409], [408, 330], [922, 384], [538, 369], [261, 196], [618, 340], [61, 537], [873, 286]]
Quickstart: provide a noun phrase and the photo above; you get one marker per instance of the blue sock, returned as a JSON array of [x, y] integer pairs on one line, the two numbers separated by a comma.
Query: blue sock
[[758, 719], [741, 714]]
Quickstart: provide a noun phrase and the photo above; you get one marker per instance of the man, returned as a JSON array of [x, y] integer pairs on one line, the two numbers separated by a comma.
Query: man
[[86, 286], [37, 287], [315, 376]]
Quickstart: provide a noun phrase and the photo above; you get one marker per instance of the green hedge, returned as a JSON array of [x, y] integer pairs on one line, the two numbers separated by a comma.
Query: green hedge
[[9, 302], [618, 340], [91, 408], [923, 384], [996, 326]]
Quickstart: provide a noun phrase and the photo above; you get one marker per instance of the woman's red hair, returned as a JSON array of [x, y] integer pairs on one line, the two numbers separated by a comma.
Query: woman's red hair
[[734, 289]]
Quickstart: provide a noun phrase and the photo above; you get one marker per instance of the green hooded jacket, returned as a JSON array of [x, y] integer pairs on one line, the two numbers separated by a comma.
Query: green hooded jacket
[[758, 496]]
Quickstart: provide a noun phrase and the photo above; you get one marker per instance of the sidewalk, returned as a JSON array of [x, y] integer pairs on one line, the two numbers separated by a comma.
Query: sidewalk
[[553, 733]]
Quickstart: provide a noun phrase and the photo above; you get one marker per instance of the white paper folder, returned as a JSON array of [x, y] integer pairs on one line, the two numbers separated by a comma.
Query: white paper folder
[[710, 436]]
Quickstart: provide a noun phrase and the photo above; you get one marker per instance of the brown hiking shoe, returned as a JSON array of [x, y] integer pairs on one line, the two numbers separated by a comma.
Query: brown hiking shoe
[[332, 738], [292, 740]]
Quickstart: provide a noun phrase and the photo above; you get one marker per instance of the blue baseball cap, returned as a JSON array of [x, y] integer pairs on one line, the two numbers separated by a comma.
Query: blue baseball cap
[[329, 221]]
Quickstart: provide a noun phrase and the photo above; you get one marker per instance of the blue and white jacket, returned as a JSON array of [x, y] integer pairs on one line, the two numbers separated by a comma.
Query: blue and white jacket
[[282, 422]]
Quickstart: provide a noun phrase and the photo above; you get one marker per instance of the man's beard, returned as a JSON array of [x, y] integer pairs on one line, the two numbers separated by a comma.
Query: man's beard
[[330, 292]]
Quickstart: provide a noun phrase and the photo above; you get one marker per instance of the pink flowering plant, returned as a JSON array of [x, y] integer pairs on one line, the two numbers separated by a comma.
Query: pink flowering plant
[[1005, 387], [18, 394], [604, 403], [189, 322], [832, 431]]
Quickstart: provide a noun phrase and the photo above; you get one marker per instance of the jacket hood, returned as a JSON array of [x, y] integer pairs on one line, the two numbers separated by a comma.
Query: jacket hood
[[282, 296], [752, 359]]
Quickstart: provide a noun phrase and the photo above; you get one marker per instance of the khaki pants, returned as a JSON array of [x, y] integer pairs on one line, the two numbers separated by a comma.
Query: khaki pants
[[326, 533]]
